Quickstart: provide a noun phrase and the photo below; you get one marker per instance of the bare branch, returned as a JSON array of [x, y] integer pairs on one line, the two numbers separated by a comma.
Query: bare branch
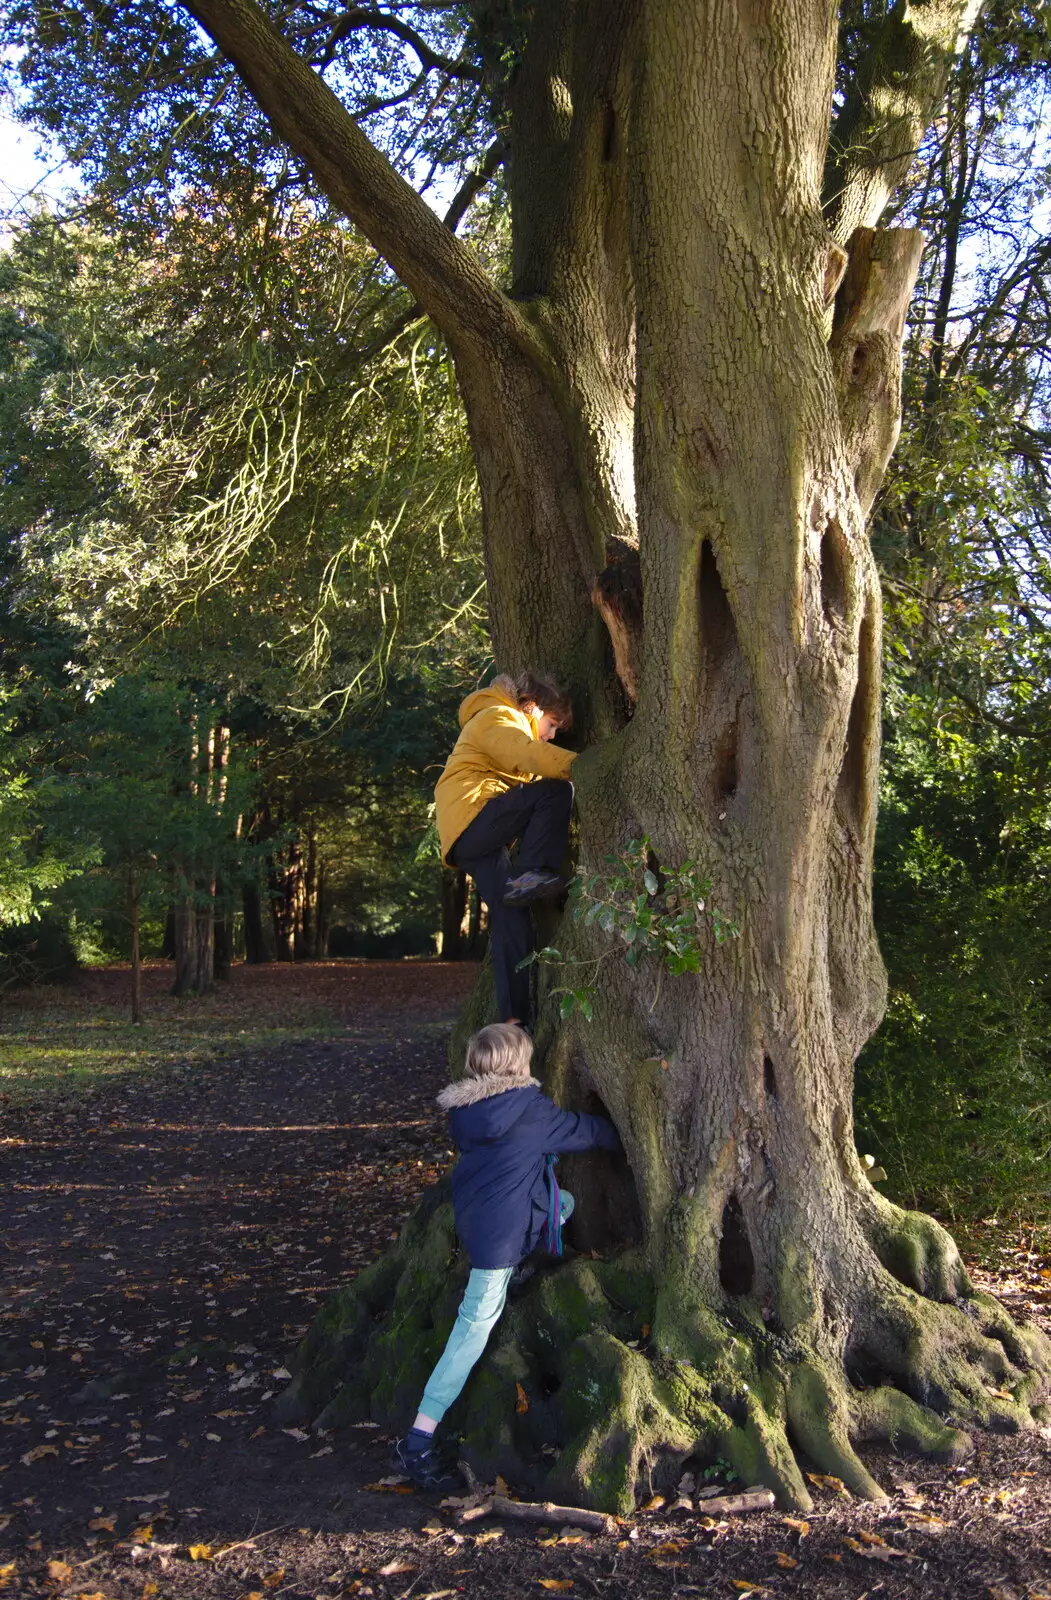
[[430, 60]]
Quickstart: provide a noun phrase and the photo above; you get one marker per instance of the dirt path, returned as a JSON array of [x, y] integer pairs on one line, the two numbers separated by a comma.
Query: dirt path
[[164, 1243]]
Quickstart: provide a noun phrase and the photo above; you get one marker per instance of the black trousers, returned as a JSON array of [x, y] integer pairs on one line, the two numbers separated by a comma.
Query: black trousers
[[537, 815]]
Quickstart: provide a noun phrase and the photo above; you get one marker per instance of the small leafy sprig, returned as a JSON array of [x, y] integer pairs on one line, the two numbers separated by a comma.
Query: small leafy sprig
[[651, 910]]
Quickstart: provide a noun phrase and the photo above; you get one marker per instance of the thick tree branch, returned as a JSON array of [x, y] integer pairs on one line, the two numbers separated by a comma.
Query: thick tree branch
[[472, 184], [898, 88], [444, 275], [430, 60]]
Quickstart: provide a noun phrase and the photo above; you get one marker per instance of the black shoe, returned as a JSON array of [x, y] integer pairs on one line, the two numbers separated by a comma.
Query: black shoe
[[419, 1459], [529, 886], [524, 1273]]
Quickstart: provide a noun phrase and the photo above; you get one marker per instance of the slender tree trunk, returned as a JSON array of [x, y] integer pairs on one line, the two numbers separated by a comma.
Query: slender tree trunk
[[255, 936], [322, 919], [186, 929], [224, 935], [136, 958], [454, 913], [306, 921], [283, 884]]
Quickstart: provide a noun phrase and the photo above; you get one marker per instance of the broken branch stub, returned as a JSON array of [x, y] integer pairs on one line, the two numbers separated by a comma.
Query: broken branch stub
[[865, 347]]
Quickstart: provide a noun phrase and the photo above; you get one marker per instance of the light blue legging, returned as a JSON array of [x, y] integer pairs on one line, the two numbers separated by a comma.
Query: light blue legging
[[483, 1300]]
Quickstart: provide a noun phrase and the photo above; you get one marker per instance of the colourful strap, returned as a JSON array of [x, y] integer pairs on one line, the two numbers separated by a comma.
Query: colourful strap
[[553, 1225]]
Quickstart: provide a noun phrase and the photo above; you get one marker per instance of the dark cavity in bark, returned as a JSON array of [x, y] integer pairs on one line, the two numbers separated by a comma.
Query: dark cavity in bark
[[852, 791], [833, 575], [736, 1261], [718, 629], [612, 1218], [726, 763], [769, 1078]]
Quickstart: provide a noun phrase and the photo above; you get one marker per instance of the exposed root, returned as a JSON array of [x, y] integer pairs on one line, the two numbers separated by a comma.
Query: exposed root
[[578, 1400], [887, 1414], [820, 1420], [966, 1361], [916, 1250]]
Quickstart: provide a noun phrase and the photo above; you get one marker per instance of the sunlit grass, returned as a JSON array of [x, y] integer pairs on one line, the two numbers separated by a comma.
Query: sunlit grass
[[55, 1042]]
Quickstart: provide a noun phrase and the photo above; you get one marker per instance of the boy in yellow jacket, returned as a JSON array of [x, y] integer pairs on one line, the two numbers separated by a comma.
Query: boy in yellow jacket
[[505, 780]]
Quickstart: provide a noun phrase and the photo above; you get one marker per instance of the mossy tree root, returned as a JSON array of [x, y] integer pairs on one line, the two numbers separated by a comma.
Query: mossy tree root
[[575, 1400]]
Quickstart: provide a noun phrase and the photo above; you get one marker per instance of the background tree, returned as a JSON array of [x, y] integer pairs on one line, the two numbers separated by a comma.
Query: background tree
[[190, 496], [697, 358]]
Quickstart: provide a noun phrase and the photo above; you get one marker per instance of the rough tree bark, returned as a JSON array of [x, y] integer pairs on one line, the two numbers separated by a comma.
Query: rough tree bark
[[681, 415]]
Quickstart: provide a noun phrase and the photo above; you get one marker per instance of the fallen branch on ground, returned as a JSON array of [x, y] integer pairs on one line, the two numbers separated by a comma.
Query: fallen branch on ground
[[498, 1505]]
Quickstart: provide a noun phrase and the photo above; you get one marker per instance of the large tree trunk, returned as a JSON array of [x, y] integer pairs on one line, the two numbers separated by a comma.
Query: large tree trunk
[[670, 421]]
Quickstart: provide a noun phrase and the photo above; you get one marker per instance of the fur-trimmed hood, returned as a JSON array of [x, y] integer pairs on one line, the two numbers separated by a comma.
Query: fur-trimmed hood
[[470, 1091]]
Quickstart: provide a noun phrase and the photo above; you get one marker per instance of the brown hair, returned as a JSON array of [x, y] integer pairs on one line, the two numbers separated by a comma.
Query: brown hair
[[531, 688], [501, 1050]]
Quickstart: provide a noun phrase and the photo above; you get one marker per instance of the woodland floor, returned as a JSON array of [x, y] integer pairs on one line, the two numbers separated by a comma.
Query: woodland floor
[[166, 1235]]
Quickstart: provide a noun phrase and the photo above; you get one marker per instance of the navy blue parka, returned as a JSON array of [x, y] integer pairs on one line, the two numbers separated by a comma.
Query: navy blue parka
[[504, 1127]]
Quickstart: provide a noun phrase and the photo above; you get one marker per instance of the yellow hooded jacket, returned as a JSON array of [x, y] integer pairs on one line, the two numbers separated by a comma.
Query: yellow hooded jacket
[[497, 748]]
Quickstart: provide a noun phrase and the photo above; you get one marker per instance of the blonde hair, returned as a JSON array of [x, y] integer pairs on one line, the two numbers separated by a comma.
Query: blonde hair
[[502, 1050]]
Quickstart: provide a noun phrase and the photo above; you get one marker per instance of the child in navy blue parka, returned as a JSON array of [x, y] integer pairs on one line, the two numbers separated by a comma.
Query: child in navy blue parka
[[504, 1199]]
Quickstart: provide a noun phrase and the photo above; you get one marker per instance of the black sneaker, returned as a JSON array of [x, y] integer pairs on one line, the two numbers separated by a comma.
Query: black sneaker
[[419, 1459], [523, 1274], [531, 886]]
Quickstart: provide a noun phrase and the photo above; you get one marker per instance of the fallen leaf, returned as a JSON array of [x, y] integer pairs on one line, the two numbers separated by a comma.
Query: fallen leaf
[[522, 1402], [669, 1548], [59, 1571], [879, 1552], [142, 1535], [825, 1480], [801, 1527], [784, 1560], [965, 1483], [272, 1579], [653, 1504], [102, 1524], [488, 1536], [870, 1538], [745, 1586], [296, 1433], [38, 1453], [434, 1526], [7, 1573], [149, 1590], [437, 1594], [555, 1583], [96, 1594], [201, 1552], [392, 1569]]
